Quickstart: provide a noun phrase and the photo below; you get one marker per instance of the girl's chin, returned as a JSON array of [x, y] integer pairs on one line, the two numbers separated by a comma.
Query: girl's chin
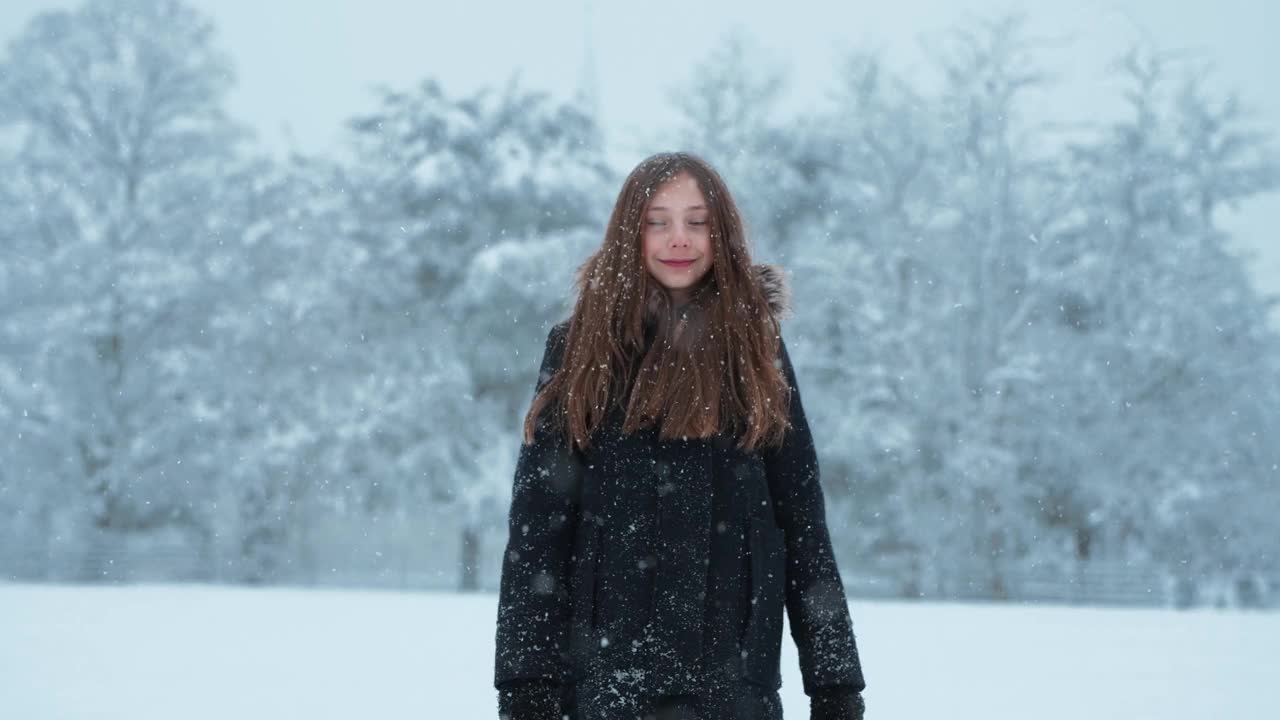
[[679, 284], [679, 277]]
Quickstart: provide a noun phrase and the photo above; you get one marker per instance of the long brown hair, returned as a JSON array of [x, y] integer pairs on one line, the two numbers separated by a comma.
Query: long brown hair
[[697, 370]]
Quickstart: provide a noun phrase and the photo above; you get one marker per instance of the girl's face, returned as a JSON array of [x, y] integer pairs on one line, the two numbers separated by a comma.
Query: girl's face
[[676, 237]]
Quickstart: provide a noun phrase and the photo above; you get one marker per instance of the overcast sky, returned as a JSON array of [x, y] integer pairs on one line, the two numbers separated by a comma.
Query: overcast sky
[[305, 65]]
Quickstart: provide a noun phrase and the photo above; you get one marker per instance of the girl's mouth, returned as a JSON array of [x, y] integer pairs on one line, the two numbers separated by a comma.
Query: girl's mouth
[[676, 263]]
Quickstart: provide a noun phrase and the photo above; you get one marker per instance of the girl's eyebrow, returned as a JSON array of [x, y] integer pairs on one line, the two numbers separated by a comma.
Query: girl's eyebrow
[[691, 207]]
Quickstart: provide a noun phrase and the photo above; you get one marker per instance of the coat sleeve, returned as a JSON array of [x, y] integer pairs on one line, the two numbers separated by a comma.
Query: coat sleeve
[[533, 599], [817, 609]]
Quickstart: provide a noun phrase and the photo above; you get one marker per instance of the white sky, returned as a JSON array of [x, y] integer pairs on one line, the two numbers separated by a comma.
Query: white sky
[[306, 65]]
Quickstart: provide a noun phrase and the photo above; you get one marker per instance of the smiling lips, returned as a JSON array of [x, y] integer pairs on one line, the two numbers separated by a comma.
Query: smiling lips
[[676, 263]]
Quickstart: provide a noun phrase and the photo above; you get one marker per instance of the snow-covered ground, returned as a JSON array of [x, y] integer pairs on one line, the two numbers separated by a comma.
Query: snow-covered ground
[[222, 653]]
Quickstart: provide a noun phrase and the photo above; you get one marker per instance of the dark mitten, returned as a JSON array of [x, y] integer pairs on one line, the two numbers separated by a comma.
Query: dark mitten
[[674, 707], [837, 703], [534, 699]]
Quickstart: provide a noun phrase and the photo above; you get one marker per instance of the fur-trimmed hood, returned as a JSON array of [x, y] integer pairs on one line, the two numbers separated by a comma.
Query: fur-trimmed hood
[[773, 284], [777, 290]]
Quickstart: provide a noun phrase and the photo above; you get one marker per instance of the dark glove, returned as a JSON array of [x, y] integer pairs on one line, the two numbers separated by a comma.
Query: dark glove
[[533, 699], [674, 707], [836, 703]]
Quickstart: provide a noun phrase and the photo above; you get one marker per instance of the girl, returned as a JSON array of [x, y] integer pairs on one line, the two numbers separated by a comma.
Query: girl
[[667, 505]]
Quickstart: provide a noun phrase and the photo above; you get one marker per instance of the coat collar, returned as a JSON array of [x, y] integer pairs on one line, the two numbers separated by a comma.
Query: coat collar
[[770, 278]]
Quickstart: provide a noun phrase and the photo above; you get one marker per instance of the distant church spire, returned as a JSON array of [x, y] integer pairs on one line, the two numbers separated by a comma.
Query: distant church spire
[[588, 93]]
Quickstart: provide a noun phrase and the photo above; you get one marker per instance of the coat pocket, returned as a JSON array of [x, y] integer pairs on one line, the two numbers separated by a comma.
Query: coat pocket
[[584, 607], [762, 642]]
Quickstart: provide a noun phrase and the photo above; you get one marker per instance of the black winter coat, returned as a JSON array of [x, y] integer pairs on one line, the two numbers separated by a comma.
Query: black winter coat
[[644, 572]]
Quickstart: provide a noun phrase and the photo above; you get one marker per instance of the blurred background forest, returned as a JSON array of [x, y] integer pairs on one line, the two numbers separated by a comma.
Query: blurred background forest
[[1035, 362]]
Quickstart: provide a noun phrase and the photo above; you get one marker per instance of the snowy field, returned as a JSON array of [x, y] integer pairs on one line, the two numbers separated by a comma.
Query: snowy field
[[219, 653]]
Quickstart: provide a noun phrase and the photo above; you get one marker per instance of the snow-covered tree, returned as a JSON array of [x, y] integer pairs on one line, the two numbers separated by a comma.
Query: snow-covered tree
[[732, 112], [1176, 389], [116, 112], [474, 210], [981, 416]]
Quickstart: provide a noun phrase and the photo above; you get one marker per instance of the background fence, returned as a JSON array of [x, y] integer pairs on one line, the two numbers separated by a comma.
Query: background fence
[[425, 551]]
